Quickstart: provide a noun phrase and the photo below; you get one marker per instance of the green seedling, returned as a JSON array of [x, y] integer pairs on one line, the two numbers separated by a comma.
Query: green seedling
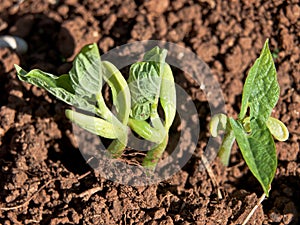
[[253, 133], [136, 101]]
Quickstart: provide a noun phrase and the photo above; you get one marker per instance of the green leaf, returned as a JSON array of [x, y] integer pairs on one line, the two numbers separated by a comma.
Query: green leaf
[[144, 85], [79, 87], [57, 86], [93, 124], [86, 73], [258, 150], [261, 89], [64, 82]]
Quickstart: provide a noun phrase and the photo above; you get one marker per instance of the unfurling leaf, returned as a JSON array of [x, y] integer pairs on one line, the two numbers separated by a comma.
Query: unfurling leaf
[[145, 82], [144, 85]]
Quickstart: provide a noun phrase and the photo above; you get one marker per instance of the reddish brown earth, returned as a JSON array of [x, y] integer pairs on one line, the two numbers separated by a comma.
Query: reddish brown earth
[[45, 180]]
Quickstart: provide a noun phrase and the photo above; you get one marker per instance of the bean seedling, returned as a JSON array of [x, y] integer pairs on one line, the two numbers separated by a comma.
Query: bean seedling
[[253, 133], [135, 101]]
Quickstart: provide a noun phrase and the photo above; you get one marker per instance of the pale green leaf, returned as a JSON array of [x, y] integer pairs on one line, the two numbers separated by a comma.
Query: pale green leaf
[[144, 84], [93, 124], [168, 95], [120, 90], [143, 129], [156, 54], [276, 127]]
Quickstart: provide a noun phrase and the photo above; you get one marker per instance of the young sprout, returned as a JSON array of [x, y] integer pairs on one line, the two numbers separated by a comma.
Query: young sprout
[[151, 81], [136, 103], [253, 133], [82, 87]]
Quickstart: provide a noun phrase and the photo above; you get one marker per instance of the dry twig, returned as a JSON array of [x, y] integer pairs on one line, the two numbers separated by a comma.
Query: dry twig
[[260, 200], [211, 175], [29, 199]]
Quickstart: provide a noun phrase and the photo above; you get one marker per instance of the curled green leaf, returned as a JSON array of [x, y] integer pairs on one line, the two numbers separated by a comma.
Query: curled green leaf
[[276, 127]]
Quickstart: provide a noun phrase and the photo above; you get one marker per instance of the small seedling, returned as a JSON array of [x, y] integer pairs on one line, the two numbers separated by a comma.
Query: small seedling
[[253, 133], [136, 101]]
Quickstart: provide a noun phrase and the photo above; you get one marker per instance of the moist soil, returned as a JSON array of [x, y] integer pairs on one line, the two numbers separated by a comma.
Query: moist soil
[[44, 177]]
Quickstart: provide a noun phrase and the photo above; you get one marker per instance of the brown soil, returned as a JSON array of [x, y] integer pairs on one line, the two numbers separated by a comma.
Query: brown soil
[[44, 185]]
